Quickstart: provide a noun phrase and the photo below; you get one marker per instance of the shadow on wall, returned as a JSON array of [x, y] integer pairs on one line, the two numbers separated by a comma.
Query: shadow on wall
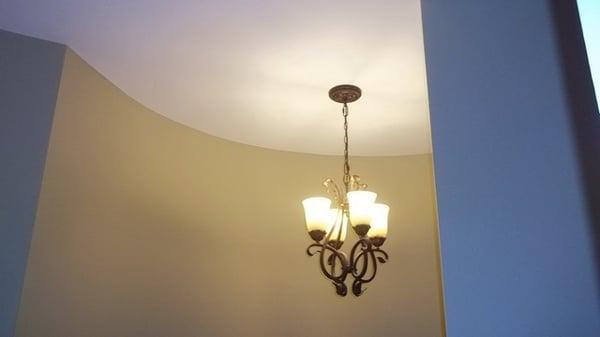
[[585, 117]]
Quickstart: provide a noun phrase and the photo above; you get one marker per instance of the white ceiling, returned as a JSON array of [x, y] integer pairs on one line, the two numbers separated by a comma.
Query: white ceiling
[[255, 72]]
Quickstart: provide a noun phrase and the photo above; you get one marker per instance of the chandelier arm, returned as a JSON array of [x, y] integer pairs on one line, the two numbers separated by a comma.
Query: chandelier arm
[[337, 280], [339, 255], [333, 227], [339, 228], [364, 265], [371, 254], [311, 252], [368, 255], [340, 217], [384, 257], [357, 285], [355, 258]]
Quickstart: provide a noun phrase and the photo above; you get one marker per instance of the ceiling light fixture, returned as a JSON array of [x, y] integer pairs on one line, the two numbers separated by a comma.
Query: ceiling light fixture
[[355, 207]]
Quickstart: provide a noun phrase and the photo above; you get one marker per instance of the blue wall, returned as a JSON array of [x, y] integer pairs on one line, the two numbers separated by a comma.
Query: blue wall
[[518, 247], [30, 71]]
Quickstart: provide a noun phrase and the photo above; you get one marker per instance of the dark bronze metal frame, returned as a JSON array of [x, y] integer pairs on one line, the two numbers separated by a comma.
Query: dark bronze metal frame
[[336, 266], [366, 253]]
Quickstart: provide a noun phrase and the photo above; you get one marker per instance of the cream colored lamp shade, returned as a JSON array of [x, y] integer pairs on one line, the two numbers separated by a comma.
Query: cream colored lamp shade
[[379, 223], [360, 204], [338, 227], [318, 216]]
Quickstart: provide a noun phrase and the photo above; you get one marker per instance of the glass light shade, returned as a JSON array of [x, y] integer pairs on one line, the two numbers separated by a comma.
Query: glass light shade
[[338, 222], [360, 204], [379, 221], [317, 215]]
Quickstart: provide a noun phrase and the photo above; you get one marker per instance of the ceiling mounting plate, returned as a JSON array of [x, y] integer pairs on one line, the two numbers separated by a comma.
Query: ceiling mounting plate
[[345, 93]]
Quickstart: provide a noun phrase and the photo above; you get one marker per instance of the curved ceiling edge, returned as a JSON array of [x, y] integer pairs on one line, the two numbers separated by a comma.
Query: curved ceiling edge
[[257, 77]]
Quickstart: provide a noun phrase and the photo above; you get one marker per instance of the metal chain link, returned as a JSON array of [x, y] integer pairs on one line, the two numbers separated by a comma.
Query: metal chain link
[[346, 163]]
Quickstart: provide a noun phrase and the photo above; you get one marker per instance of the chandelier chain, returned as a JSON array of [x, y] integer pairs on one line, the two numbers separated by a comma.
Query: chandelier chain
[[346, 162]]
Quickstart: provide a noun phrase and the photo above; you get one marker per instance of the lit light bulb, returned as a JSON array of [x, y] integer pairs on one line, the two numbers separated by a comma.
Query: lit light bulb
[[318, 216], [379, 224], [360, 204]]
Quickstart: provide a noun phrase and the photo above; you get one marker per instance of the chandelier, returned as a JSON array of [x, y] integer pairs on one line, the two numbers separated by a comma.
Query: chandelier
[[327, 220]]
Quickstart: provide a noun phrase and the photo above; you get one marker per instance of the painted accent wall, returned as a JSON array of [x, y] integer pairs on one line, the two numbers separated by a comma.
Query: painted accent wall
[[516, 149], [148, 228], [30, 71]]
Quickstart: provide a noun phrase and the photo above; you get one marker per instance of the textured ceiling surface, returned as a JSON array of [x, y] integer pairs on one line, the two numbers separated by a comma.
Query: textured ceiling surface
[[255, 72]]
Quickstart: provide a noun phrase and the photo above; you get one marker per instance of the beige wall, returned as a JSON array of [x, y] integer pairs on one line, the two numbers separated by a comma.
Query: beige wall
[[148, 228]]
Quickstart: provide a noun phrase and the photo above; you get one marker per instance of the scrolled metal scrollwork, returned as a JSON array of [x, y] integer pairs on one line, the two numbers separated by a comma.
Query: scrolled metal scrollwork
[[362, 264], [332, 189], [329, 264]]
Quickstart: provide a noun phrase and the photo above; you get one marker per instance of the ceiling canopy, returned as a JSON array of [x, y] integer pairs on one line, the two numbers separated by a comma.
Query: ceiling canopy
[[255, 72]]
